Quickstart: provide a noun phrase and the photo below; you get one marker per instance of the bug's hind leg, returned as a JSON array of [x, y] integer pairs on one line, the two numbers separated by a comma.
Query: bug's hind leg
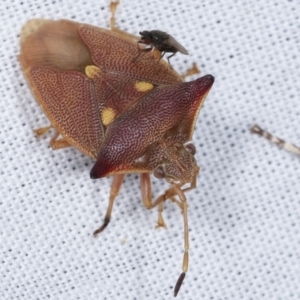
[[114, 191], [55, 143], [41, 131]]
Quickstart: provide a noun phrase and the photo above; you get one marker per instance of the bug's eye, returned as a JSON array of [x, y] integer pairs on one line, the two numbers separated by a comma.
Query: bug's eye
[[159, 173], [191, 148]]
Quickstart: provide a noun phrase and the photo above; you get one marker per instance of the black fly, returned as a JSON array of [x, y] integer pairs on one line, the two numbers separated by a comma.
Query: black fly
[[162, 41]]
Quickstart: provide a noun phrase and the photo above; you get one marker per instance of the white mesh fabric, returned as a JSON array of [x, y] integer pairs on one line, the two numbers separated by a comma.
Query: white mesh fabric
[[244, 215]]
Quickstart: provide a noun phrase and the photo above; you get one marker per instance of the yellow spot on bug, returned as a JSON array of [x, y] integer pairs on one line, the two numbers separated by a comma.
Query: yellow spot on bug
[[143, 86], [92, 71], [108, 115]]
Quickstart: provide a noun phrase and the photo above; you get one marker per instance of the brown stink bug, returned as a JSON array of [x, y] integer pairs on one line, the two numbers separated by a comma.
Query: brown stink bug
[[276, 140], [162, 41], [131, 117]]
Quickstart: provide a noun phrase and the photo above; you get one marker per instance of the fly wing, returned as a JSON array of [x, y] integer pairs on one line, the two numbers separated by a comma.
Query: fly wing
[[172, 42]]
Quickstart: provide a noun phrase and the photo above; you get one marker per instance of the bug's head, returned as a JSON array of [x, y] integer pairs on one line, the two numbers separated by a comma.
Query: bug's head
[[146, 37], [177, 164]]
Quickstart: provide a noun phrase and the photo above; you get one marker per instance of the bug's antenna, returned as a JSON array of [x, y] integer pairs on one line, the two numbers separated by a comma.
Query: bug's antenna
[[185, 262], [275, 140]]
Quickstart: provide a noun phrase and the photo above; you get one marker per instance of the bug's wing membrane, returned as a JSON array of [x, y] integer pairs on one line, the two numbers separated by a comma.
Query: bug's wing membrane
[[55, 44], [69, 101], [172, 42]]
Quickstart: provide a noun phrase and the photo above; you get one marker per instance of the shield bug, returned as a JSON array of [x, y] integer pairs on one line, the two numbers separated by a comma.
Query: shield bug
[[162, 41], [130, 117], [276, 140]]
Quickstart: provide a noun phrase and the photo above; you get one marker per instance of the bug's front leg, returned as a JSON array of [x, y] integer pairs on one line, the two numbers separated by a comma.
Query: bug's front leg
[[171, 193], [147, 201], [114, 191]]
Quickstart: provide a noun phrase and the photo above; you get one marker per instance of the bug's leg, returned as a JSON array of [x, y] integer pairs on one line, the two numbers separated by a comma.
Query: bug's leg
[[191, 71], [281, 143], [171, 193], [113, 7], [56, 143], [160, 219], [147, 201], [185, 262], [114, 191], [41, 131]]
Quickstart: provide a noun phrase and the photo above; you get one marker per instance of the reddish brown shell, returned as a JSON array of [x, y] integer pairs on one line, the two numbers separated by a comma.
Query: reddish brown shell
[[76, 71], [125, 113]]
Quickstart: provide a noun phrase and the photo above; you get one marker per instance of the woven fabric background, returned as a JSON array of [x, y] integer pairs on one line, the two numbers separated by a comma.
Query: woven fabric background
[[244, 215]]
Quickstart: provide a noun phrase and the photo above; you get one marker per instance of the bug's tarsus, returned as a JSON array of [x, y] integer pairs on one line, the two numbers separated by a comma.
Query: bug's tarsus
[[178, 283], [41, 131], [160, 220], [105, 223], [114, 191]]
